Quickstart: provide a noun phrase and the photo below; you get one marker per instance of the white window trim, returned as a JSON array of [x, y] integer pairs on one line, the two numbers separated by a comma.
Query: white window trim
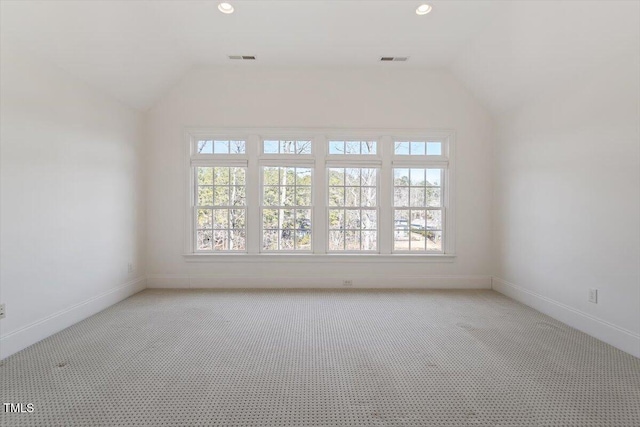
[[253, 159]]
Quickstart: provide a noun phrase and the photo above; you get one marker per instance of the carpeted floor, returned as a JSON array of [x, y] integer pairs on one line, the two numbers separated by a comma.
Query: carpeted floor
[[321, 358]]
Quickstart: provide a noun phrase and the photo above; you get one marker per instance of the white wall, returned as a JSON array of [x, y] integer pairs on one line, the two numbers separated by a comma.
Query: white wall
[[71, 204], [567, 190], [245, 96]]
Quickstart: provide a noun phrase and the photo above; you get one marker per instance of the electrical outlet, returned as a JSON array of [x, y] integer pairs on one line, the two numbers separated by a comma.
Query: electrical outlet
[[130, 268], [3, 311], [347, 283], [593, 296]]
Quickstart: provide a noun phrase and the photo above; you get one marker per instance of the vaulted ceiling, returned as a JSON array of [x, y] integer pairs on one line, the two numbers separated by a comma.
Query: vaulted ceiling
[[504, 51]]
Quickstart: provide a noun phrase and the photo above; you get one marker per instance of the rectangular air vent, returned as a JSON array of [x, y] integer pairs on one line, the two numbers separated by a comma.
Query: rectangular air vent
[[394, 58], [243, 57]]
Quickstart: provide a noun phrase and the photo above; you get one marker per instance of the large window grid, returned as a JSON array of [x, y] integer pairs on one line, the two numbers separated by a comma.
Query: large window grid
[[286, 208], [353, 209], [220, 209], [361, 218], [417, 209]]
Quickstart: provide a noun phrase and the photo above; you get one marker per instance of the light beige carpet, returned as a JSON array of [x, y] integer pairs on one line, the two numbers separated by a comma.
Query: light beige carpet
[[321, 358]]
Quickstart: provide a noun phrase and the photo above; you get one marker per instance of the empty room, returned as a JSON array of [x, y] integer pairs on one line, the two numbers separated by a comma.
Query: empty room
[[320, 213]]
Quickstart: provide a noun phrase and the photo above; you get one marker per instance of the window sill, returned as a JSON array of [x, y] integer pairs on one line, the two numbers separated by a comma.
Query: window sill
[[319, 258]]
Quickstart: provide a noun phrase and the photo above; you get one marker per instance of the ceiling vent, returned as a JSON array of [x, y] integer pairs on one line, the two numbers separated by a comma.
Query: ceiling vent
[[394, 58], [243, 57]]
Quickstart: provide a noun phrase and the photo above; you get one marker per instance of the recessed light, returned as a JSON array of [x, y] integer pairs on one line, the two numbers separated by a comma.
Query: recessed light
[[225, 8], [423, 9]]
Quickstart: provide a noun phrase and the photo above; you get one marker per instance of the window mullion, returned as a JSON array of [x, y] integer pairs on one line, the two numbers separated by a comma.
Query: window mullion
[[320, 198], [253, 196], [385, 202]]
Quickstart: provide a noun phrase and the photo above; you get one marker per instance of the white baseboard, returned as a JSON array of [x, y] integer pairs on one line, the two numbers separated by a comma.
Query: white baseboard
[[43, 328], [291, 282], [618, 337]]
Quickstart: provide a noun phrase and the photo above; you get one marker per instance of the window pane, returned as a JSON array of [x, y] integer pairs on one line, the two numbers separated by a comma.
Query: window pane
[[287, 147], [352, 147], [303, 219], [369, 240], [221, 196], [336, 147], [417, 176], [352, 176], [303, 176], [221, 176], [221, 147], [434, 176], [434, 148], [271, 147], [416, 197], [368, 197], [303, 147], [434, 241], [269, 218], [336, 196], [204, 240], [237, 240], [352, 196], [237, 218], [271, 196], [336, 240], [270, 176], [270, 240], [336, 219], [369, 220], [401, 176], [434, 220], [205, 147], [402, 148], [303, 240], [221, 218], [303, 196], [237, 147], [205, 195], [336, 176], [369, 176], [352, 240], [237, 176], [204, 218], [287, 218], [205, 176], [434, 197], [353, 219], [286, 240], [220, 240], [401, 196], [288, 195], [417, 148], [368, 147]]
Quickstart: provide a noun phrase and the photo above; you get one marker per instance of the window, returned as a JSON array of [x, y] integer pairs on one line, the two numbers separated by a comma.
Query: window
[[417, 209], [353, 213], [305, 193], [286, 208], [221, 147], [352, 147], [418, 148], [286, 147], [220, 209]]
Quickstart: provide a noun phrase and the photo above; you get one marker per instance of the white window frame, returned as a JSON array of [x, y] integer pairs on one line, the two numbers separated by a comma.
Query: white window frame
[[320, 160]]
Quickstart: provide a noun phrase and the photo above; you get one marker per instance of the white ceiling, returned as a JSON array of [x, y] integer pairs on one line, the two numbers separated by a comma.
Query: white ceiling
[[505, 51]]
